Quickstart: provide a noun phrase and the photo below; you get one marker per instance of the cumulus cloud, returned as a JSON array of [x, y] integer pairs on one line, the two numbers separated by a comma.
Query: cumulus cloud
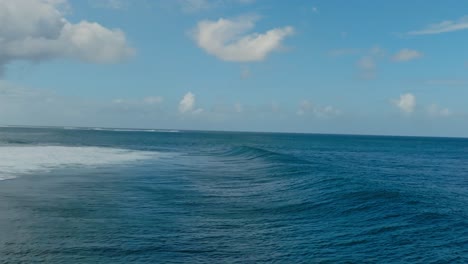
[[308, 108], [443, 27], [406, 102], [229, 40], [187, 104], [406, 55], [37, 30]]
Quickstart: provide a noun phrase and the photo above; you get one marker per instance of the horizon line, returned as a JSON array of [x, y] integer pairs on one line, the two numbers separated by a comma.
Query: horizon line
[[134, 129]]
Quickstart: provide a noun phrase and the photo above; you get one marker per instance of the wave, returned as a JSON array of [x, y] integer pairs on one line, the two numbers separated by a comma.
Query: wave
[[18, 160], [253, 153], [14, 142]]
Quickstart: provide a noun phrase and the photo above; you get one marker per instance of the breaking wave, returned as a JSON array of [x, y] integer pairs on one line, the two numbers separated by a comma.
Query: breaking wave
[[18, 160]]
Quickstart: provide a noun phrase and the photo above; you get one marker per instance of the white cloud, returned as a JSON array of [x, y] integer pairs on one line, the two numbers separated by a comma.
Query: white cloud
[[406, 102], [308, 108], [187, 104], [437, 111], [407, 55], [315, 9], [229, 40], [443, 27], [37, 30]]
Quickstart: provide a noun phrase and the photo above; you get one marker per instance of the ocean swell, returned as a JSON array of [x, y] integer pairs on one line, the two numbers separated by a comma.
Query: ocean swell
[[255, 153]]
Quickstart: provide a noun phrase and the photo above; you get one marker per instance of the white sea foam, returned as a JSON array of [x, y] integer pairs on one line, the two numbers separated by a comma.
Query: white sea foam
[[131, 130], [17, 160]]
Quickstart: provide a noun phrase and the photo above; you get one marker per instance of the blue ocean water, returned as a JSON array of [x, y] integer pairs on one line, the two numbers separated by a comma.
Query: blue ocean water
[[127, 196]]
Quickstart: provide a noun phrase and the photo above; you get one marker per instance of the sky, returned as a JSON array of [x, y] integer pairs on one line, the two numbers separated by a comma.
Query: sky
[[348, 67]]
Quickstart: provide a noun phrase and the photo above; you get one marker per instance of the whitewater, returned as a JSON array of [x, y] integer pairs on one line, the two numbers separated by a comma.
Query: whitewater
[[20, 160]]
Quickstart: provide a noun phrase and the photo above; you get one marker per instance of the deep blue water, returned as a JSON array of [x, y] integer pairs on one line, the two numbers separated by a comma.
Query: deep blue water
[[102, 196]]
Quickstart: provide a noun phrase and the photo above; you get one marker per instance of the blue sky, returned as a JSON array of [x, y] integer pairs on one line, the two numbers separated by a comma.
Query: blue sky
[[366, 67]]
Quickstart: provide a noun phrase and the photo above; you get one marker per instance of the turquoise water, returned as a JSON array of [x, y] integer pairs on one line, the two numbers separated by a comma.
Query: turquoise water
[[115, 196]]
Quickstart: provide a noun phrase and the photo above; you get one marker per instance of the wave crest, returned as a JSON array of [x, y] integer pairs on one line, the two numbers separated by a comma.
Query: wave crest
[[252, 153]]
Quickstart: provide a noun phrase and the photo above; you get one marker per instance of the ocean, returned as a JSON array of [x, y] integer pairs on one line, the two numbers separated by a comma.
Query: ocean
[[75, 195]]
